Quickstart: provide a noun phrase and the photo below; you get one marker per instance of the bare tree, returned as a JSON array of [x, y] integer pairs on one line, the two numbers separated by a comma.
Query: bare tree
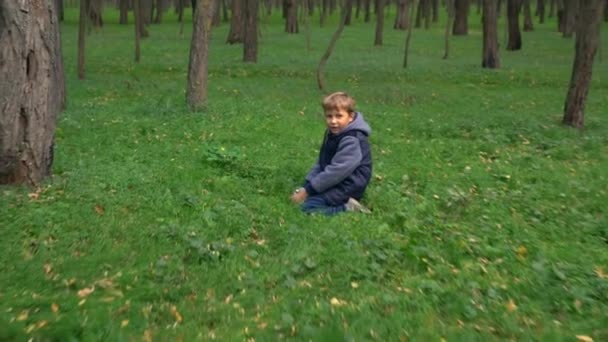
[[196, 93], [32, 89], [330, 47], [587, 41]]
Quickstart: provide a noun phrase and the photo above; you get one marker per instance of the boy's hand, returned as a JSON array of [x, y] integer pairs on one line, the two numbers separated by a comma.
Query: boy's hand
[[299, 196]]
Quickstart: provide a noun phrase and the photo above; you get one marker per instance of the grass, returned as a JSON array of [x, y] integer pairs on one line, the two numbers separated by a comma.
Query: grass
[[489, 216]]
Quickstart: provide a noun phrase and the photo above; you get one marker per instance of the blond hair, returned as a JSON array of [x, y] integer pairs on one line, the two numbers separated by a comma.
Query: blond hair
[[339, 100]]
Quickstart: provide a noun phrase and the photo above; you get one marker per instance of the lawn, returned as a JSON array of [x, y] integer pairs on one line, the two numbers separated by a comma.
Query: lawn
[[489, 216]]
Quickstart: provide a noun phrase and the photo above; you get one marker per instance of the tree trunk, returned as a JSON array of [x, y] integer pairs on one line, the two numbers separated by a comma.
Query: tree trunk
[[380, 4], [60, 10], [551, 8], [96, 13], [449, 4], [196, 93], [570, 14], [137, 26], [250, 46], [159, 12], [291, 20], [349, 12], [236, 23], [513, 8], [408, 38], [587, 41], [401, 19], [367, 10], [461, 20], [330, 47], [528, 25], [140, 7], [435, 10], [490, 58], [32, 89], [82, 24], [540, 11], [123, 5]]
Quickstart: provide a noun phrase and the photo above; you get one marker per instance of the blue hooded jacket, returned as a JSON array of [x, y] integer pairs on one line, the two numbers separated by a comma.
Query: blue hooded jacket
[[344, 167]]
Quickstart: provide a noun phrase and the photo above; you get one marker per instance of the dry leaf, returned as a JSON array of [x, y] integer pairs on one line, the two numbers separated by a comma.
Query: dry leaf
[[86, 291], [176, 314], [99, 209], [354, 284], [124, 323], [23, 315], [54, 307], [584, 338], [48, 269], [337, 302], [511, 305], [522, 251], [147, 336], [600, 272]]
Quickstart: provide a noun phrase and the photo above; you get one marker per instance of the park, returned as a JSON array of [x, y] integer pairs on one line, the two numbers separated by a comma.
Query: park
[[162, 213]]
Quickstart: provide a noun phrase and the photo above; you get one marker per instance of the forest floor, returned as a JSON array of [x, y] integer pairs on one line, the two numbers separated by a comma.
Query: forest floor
[[489, 216]]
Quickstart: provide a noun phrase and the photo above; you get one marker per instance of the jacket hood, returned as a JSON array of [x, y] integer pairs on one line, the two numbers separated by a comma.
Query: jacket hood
[[359, 124]]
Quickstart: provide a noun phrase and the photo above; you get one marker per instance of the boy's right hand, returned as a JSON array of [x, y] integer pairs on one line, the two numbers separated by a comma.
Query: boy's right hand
[[299, 196]]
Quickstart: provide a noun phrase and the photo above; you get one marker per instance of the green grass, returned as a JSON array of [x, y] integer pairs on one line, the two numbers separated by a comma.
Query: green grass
[[489, 216]]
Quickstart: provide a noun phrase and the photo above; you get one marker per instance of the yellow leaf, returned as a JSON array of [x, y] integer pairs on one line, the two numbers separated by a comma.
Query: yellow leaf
[[147, 336], [600, 272], [522, 251], [584, 338], [337, 302], [54, 307], [176, 314], [124, 323], [86, 291], [511, 305], [47, 268], [354, 284], [23, 315]]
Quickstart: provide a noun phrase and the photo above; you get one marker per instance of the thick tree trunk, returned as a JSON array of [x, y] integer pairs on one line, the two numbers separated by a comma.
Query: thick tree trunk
[[123, 6], [96, 13], [528, 25], [236, 23], [291, 19], [401, 19], [513, 9], [461, 20], [587, 41], [250, 46], [490, 58], [349, 12], [196, 93], [379, 22], [32, 89]]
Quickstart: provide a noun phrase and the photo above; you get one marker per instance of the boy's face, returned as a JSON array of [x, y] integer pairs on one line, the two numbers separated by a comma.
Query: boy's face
[[337, 120]]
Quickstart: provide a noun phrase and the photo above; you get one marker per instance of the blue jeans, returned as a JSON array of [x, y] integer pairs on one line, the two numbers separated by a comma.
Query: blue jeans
[[316, 205]]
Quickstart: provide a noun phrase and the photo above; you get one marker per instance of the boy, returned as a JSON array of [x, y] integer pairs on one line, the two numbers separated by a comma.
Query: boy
[[339, 178]]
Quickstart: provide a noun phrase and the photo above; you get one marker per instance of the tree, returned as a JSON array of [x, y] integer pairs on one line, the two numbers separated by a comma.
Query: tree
[[587, 41], [123, 6], [196, 92], [401, 19], [137, 25], [461, 20], [32, 89], [449, 4], [332, 43], [513, 9], [291, 19], [82, 22], [379, 22], [569, 17], [408, 37], [236, 23], [528, 25], [490, 58], [250, 42]]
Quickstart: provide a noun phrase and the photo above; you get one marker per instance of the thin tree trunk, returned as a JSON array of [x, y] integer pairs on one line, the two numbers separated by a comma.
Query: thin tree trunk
[[250, 41], [330, 47], [196, 93], [490, 58], [379, 22], [82, 23], [570, 14], [513, 9], [587, 40], [137, 18], [32, 89], [449, 4], [409, 35], [528, 25], [291, 21], [124, 12], [540, 11]]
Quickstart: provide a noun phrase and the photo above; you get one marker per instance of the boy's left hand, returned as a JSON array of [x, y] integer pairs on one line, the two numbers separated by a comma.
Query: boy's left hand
[[299, 195]]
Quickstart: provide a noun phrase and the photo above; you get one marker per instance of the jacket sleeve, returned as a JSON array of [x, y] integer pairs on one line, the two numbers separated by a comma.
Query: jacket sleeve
[[345, 161]]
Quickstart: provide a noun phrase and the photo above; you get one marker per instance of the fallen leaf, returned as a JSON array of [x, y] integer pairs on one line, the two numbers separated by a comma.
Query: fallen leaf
[[124, 323], [99, 209], [23, 315], [522, 251], [511, 305], [600, 272], [176, 314], [354, 284], [337, 302], [147, 336], [86, 291], [584, 338], [48, 268], [54, 307]]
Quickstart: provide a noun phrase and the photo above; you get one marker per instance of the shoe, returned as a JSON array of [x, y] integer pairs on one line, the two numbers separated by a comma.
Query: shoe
[[356, 207]]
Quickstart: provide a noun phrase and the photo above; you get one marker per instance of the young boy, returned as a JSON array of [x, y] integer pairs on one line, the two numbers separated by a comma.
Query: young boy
[[339, 178]]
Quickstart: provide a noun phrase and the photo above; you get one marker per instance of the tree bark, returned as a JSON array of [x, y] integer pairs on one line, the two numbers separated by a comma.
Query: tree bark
[[513, 9], [569, 17], [236, 23], [32, 89], [291, 19], [137, 26], [123, 6], [528, 25], [380, 4], [96, 13], [196, 93], [408, 38], [587, 41], [250, 46], [330, 47], [82, 22], [490, 58], [461, 20], [540, 11], [449, 4], [401, 18]]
